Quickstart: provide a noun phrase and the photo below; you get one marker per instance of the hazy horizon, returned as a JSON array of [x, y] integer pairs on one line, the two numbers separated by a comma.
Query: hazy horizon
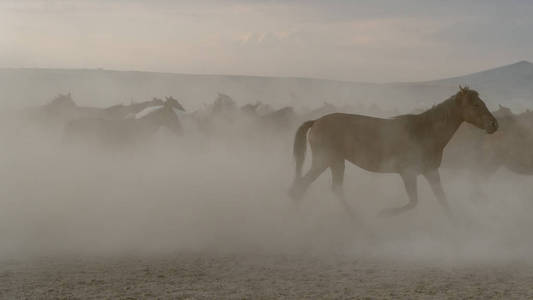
[[259, 75], [366, 41]]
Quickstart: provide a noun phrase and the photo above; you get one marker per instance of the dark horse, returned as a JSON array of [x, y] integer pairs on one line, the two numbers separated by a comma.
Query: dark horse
[[409, 145], [123, 132]]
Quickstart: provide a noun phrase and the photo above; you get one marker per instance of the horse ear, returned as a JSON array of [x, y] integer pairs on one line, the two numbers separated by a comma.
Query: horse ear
[[501, 107]]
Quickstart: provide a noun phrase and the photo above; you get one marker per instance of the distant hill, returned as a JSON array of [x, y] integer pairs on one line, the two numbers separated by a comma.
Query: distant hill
[[518, 73], [511, 85], [507, 84]]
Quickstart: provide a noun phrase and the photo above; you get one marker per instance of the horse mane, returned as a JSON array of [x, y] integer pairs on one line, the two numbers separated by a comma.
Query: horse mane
[[438, 112], [422, 124], [442, 110]]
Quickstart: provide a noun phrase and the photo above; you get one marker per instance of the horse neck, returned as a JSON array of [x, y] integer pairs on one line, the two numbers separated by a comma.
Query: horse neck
[[140, 106], [441, 123]]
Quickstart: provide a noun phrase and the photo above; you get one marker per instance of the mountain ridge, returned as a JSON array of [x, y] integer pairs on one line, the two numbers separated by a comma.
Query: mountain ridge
[[509, 84]]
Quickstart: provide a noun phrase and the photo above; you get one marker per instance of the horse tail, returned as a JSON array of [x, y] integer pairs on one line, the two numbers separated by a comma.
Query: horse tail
[[300, 146]]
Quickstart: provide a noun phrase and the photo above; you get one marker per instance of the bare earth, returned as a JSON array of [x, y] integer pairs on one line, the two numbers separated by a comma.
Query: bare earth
[[212, 276]]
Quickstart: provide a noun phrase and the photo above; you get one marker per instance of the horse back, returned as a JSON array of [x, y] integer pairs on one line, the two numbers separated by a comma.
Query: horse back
[[374, 144]]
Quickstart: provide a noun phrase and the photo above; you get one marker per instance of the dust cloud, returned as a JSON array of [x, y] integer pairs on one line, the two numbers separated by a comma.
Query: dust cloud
[[228, 194]]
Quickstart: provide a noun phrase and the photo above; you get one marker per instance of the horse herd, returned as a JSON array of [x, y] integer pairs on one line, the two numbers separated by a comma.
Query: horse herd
[[125, 125], [409, 145]]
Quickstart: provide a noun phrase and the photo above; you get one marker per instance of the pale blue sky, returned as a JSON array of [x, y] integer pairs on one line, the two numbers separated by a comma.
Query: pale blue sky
[[349, 40]]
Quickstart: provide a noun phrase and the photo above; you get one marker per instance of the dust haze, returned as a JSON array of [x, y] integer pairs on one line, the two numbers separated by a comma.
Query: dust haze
[[146, 149], [226, 192]]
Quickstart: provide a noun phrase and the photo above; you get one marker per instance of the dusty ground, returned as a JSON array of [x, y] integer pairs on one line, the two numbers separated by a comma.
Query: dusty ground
[[197, 205], [210, 276]]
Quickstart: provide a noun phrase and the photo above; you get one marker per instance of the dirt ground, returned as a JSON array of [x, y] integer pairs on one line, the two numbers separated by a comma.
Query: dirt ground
[[177, 222], [247, 276]]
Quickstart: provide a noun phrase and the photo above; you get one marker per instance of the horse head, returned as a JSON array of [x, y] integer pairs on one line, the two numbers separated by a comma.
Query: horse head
[[160, 116], [167, 117], [173, 103], [474, 111]]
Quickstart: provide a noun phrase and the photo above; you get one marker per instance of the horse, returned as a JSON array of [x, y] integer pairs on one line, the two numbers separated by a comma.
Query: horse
[[409, 145], [256, 110], [63, 109], [120, 132], [250, 109], [121, 111], [223, 104]]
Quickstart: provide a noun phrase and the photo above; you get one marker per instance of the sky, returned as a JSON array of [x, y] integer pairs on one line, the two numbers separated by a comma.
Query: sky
[[370, 41]]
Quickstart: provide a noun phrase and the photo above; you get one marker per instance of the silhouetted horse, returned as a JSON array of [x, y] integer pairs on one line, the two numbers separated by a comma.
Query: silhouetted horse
[[251, 109], [62, 109], [121, 111], [256, 110], [409, 145], [125, 131]]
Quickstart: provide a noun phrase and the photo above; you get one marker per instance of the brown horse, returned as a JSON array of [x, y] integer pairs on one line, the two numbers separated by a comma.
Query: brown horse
[[409, 145]]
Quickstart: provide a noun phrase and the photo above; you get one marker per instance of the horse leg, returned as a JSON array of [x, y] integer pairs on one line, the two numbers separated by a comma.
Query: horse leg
[[433, 178], [337, 179], [410, 183], [318, 165]]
